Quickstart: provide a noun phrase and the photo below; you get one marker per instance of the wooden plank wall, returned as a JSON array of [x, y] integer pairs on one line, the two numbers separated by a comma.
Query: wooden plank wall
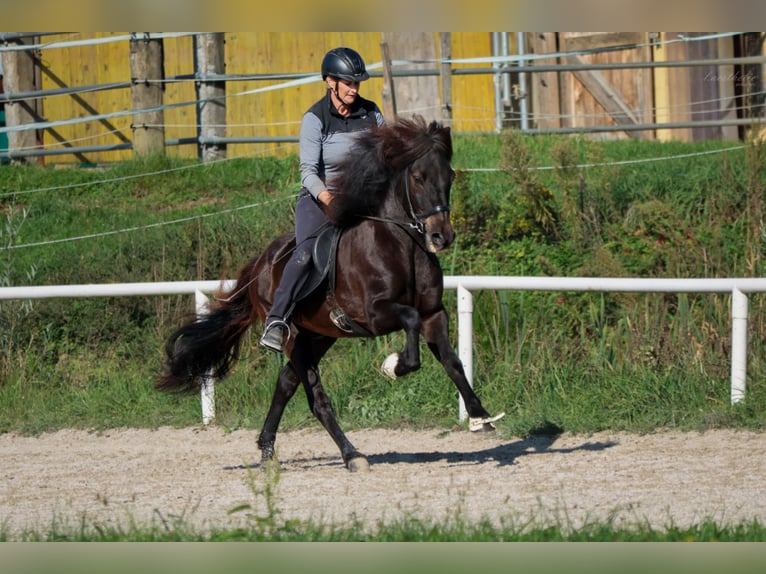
[[556, 99], [611, 97], [698, 93], [181, 122], [279, 112], [661, 95], [544, 86], [86, 66], [414, 94], [265, 114]]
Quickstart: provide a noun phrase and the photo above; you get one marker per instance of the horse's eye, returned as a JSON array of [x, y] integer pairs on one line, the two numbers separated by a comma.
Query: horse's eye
[[452, 174], [418, 179]]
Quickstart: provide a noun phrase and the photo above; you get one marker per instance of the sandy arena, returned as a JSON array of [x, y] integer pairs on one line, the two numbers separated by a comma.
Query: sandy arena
[[199, 475]]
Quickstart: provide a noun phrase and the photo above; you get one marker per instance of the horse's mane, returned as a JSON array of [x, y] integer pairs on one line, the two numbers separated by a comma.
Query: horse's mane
[[377, 156]]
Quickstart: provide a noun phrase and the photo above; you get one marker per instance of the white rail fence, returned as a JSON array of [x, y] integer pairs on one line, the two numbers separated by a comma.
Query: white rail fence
[[464, 284]]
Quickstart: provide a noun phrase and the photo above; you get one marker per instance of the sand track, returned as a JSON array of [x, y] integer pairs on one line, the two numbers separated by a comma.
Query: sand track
[[198, 475]]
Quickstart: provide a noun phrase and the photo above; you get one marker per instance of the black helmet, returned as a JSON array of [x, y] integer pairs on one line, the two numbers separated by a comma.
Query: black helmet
[[344, 63]]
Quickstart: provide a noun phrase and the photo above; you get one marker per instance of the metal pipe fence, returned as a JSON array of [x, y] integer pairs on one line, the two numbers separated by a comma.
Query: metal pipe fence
[[464, 285]]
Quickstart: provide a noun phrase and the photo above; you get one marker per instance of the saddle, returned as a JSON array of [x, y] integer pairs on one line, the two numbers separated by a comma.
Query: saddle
[[324, 257]]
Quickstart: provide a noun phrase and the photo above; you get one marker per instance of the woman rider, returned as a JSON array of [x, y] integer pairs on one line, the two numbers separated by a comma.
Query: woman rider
[[327, 132]]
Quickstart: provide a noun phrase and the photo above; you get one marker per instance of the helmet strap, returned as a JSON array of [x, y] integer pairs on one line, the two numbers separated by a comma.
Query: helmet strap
[[337, 96]]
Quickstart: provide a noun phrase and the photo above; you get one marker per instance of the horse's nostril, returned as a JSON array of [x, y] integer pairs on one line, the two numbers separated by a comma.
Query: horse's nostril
[[439, 241]]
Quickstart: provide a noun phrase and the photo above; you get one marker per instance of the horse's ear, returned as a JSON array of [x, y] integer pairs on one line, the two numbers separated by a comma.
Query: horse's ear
[[437, 126]]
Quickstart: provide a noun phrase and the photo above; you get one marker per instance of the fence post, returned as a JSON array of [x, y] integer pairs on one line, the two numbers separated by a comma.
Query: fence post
[[211, 94], [445, 73], [146, 65], [465, 340], [20, 74], [207, 392], [388, 95], [739, 312]]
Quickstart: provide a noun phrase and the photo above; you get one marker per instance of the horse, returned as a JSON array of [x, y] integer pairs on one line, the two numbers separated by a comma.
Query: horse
[[392, 209]]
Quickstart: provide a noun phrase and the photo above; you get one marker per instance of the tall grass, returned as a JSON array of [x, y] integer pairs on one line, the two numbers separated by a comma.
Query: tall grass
[[574, 361]]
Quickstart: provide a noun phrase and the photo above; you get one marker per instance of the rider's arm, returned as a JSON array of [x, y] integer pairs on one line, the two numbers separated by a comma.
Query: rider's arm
[[312, 171]]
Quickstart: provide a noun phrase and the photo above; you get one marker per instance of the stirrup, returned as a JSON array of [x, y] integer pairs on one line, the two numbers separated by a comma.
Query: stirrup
[[274, 334]]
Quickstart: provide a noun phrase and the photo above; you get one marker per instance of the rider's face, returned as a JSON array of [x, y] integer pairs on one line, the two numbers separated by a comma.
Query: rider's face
[[346, 90]]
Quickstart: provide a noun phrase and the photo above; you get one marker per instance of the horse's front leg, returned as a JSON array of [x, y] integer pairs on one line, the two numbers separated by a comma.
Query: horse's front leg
[[408, 360], [305, 362], [436, 334]]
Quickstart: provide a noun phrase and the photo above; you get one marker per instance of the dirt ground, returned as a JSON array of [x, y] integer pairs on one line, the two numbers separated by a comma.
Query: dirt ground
[[199, 475]]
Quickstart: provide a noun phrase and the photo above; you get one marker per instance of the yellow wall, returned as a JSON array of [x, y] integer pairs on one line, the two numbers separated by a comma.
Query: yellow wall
[[278, 112], [474, 95], [270, 113], [86, 66]]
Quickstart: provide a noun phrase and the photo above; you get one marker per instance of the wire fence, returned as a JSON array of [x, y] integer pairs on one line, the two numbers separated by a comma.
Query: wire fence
[[289, 197]]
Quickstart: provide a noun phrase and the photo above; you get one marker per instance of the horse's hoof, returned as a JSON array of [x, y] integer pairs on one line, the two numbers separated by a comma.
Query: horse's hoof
[[483, 424], [389, 365], [358, 464], [267, 450], [269, 466]]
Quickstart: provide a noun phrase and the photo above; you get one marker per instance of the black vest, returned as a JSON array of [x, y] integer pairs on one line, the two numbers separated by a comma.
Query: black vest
[[362, 115]]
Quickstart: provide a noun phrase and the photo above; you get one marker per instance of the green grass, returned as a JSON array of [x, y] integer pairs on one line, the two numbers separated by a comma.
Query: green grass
[[405, 530]]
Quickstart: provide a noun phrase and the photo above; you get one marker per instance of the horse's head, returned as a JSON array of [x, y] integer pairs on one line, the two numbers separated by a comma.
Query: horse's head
[[400, 173], [424, 151], [427, 189]]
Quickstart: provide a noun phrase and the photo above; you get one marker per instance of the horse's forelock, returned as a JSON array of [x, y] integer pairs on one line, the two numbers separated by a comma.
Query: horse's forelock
[[410, 139]]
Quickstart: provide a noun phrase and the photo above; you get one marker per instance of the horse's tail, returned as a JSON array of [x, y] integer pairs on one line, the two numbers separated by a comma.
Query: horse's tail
[[210, 345]]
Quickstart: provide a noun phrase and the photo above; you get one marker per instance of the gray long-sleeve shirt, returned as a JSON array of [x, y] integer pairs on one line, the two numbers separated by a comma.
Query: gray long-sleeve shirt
[[326, 138]]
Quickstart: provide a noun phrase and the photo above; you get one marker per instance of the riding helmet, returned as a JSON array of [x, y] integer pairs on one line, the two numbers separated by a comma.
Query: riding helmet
[[344, 63]]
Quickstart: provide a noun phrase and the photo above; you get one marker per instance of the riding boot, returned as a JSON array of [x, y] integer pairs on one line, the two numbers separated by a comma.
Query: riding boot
[[293, 277]]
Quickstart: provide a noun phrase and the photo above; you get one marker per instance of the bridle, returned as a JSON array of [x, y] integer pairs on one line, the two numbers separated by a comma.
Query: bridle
[[417, 219]]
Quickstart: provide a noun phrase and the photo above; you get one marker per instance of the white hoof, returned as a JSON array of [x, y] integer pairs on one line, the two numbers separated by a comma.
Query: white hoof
[[476, 424], [389, 365]]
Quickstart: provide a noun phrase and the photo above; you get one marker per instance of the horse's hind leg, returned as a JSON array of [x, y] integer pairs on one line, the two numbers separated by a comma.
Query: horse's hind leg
[[436, 334], [305, 357], [287, 383]]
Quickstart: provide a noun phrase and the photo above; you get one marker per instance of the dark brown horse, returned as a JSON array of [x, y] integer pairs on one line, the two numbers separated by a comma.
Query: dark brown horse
[[394, 212]]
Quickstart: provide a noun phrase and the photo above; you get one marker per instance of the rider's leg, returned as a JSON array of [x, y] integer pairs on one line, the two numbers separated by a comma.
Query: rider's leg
[[308, 219], [293, 277]]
